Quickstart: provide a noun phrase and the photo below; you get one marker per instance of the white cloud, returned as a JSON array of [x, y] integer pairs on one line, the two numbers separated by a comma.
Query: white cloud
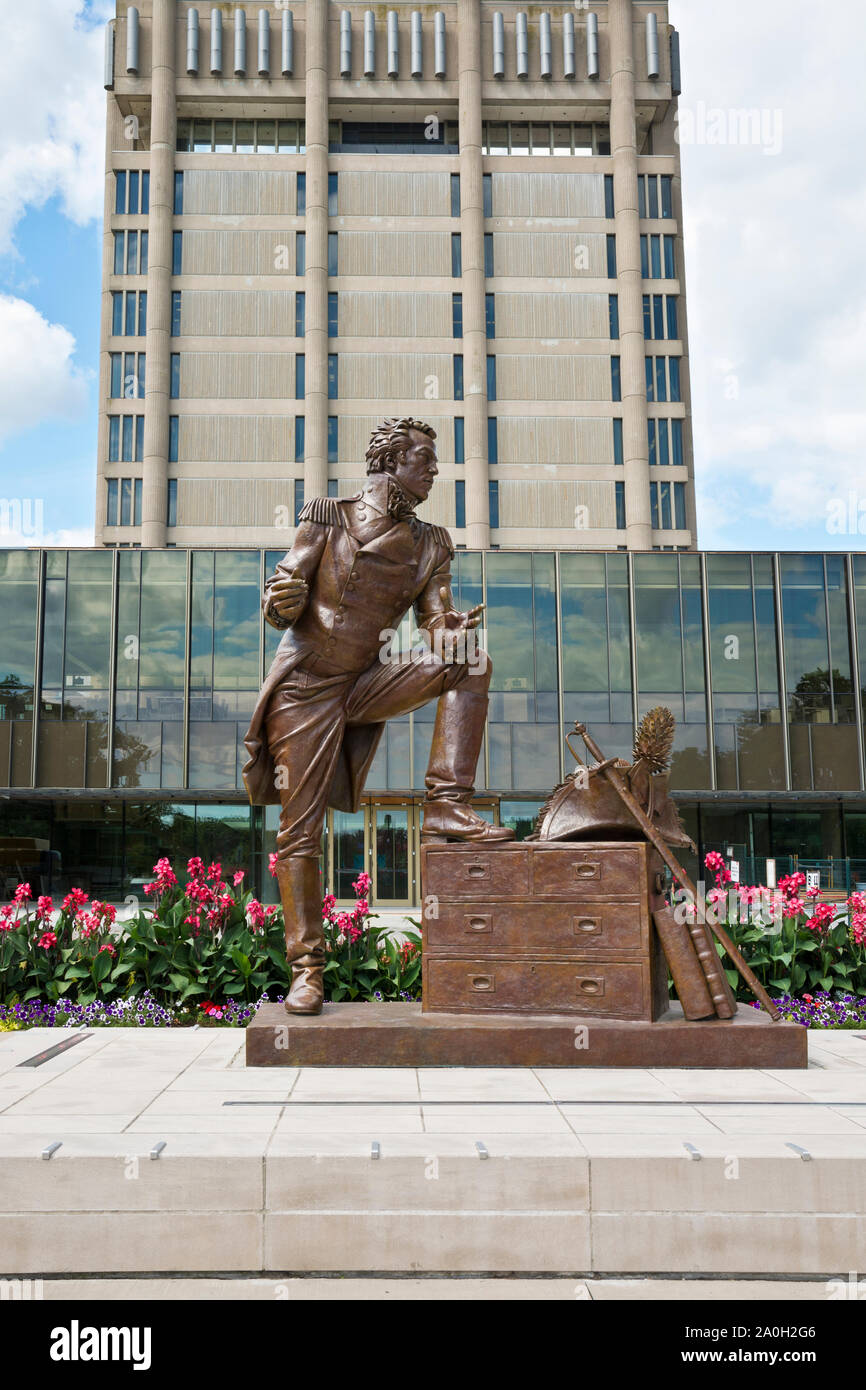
[[774, 268], [38, 379], [52, 110]]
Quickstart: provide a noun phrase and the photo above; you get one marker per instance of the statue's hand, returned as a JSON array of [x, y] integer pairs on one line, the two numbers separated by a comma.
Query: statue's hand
[[454, 628], [288, 597]]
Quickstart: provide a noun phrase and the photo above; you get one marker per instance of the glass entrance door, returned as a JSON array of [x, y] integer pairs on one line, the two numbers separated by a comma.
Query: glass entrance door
[[393, 853], [348, 851]]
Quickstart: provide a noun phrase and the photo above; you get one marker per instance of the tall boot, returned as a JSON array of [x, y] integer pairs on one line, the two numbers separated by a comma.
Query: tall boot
[[301, 896], [450, 780]]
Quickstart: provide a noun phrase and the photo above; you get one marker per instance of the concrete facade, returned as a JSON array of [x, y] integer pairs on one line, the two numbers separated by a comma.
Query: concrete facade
[[237, 231]]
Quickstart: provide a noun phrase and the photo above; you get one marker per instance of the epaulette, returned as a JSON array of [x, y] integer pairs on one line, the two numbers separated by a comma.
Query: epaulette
[[324, 510], [442, 537]]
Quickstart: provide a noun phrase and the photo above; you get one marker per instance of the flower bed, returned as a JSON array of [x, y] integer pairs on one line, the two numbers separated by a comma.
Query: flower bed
[[206, 951]]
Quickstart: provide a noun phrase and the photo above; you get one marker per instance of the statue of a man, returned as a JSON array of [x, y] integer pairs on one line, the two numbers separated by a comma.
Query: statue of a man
[[355, 568]]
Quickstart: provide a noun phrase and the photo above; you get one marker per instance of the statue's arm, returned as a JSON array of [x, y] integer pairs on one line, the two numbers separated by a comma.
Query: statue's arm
[[435, 604], [288, 589]]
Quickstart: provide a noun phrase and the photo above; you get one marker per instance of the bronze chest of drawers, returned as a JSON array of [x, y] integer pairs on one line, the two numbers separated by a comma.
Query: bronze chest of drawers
[[542, 928]]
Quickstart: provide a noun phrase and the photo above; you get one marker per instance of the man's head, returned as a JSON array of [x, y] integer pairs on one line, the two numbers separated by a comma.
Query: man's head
[[405, 449]]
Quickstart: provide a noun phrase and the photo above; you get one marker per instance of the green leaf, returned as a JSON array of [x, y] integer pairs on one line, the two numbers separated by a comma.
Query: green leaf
[[101, 966]]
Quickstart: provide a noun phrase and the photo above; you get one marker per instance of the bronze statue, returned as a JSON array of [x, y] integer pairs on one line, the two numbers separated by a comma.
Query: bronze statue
[[354, 569]]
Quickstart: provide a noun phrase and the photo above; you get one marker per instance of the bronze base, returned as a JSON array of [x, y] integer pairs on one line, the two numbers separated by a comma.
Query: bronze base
[[400, 1035]]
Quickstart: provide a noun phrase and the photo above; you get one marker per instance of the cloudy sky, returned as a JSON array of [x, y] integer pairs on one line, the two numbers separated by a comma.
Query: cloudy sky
[[776, 271]]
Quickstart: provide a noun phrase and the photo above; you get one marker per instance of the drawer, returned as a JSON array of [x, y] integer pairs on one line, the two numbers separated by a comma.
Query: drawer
[[569, 870], [488, 985], [469, 873], [532, 928]]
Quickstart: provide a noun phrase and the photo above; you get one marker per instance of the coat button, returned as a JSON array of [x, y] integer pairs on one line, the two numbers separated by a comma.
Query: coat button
[[362, 516]]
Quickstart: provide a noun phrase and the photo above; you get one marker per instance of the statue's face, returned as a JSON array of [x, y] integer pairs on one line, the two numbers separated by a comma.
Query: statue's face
[[417, 470]]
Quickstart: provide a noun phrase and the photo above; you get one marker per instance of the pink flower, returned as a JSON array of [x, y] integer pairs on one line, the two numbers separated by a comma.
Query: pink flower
[[44, 907], [110, 949], [46, 940], [255, 913], [858, 902], [272, 864], [23, 893], [716, 895], [362, 908], [237, 877], [164, 872], [362, 885], [329, 902], [88, 924], [794, 907], [75, 899], [195, 867], [714, 861], [215, 871], [858, 928]]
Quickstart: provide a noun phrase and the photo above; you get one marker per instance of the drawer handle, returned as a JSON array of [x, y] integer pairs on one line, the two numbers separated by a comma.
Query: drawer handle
[[476, 870], [482, 984], [479, 924], [586, 870], [591, 985], [587, 926]]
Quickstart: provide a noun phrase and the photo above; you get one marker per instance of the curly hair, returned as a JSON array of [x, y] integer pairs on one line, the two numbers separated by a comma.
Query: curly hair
[[390, 440]]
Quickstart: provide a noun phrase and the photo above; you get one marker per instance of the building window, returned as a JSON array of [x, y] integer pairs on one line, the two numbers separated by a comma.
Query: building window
[[655, 196], [611, 256], [456, 266], [617, 442], [609, 210], [662, 379], [613, 314], [492, 440], [333, 487], [668, 506], [488, 255], [301, 194], [333, 439], [238, 137], [299, 439], [175, 376], [130, 253], [300, 313], [458, 377], [541, 137], [333, 314], [300, 376], [299, 499], [123, 502], [175, 313], [459, 452], [171, 503], [660, 319], [619, 499], [666, 442], [333, 380], [657, 257], [127, 375], [490, 315], [126, 192], [333, 195], [455, 195], [392, 137], [332, 254], [491, 378], [457, 315], [125, 438], [300, 253], [487, 195], [493, 494], [615, 386], [177, 253], [178, 193], [172, 438], [459, 503]]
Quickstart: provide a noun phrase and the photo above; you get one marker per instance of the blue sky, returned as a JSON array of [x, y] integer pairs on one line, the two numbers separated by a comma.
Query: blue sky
[[774, 218]]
